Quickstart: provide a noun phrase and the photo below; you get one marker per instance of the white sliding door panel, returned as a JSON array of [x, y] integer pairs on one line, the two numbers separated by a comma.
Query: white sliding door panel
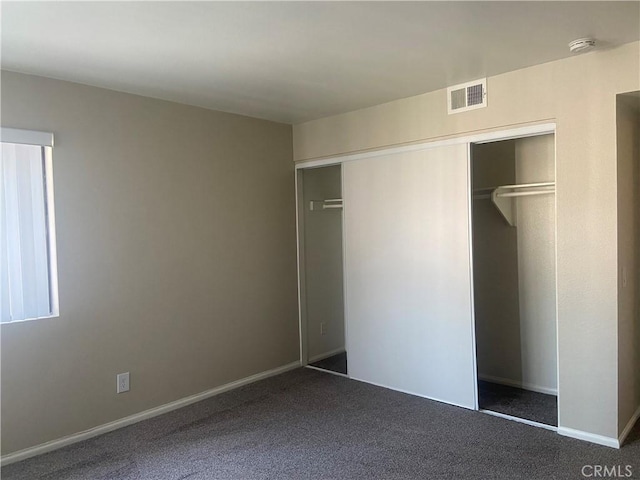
[[407, 275]]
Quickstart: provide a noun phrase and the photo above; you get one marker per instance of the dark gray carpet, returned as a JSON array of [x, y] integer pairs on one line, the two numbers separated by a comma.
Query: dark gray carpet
[[517, 402], [307, 424], [336, 363]]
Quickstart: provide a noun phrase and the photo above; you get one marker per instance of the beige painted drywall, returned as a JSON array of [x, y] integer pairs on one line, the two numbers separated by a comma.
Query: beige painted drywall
[[536, 220], [628, 148], [176, 251], [495, 268], [577, 93], [323, 263]]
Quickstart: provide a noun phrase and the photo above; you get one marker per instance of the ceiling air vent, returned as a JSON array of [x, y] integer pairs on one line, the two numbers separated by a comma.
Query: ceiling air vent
[[467, 96]]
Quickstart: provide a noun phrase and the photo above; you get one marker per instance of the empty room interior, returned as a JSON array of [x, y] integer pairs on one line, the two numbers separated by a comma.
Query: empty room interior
[[325, 240]]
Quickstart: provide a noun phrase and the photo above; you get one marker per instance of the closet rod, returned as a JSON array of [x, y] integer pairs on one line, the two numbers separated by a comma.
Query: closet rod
[[528, 185], [513, 187], [503, 195], [523, 194]]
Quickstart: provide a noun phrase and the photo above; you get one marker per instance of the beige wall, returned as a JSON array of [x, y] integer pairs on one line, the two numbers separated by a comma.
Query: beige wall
[[176, 250], [323, 263], [628, 148], [577, 93], [536, 220]]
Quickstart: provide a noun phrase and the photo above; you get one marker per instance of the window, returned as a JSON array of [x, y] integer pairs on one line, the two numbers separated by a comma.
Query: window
[[28, 272]]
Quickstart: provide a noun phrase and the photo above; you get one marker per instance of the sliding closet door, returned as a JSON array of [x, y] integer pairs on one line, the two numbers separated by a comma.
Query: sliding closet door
[[407, 273]]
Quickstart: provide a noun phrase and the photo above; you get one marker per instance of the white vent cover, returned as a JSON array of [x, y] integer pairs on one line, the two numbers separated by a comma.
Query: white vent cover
[[467, 96]]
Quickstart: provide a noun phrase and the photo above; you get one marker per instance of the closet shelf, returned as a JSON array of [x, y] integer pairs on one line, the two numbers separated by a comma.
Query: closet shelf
[[503, 196], [315, 205]]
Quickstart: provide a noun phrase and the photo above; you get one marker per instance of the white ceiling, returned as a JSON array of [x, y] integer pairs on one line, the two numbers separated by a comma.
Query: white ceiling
[[297, 61]]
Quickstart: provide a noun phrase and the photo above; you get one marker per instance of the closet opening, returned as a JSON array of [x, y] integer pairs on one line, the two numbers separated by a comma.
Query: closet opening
[[514, 277], [320, 255]]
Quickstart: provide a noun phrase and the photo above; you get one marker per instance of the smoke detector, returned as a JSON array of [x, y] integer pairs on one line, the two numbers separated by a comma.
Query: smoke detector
[[581, 45]]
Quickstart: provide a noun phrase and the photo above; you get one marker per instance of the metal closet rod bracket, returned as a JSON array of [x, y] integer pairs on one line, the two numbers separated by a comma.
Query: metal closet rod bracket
[[330, 203], [503, 196]]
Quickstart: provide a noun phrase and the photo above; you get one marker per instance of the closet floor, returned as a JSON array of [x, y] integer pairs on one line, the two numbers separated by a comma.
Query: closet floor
[[336, 363], [538, 407]]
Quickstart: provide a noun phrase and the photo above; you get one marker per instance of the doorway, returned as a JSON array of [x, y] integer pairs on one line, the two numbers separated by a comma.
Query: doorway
[[320, 237], [514, 277]]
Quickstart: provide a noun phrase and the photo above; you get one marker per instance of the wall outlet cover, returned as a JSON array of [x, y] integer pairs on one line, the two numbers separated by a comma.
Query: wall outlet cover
[[122, 382]]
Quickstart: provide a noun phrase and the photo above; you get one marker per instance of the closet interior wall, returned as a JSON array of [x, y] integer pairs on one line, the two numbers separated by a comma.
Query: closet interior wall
[[514, 267], [323, 315]]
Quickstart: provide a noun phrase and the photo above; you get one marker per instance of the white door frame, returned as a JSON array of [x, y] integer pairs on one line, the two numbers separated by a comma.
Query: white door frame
[[546, 129], [300, 248]]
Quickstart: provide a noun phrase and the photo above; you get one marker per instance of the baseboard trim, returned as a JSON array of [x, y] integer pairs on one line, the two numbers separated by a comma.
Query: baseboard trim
[[589, 437], [138, 417], [630, 424], [322, 356], [518, 384]]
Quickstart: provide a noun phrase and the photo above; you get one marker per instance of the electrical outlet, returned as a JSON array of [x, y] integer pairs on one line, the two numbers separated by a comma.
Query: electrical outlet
[[122, 382], [323, 328]]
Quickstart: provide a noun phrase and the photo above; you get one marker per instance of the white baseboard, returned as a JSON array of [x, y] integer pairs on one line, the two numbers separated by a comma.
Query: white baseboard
[[632, 421], [589, 437], [322, 356], [518, 384], [153, 412]]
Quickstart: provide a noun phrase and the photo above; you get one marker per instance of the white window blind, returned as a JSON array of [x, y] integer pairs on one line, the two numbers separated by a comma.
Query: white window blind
[[28, 283]]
